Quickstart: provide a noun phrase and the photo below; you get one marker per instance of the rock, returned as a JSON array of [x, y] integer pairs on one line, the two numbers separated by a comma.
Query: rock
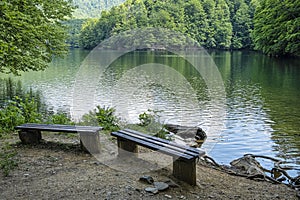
[[151, 190], [247, 165], [146, 179], [187, 131], [161, 186], [168, 196]]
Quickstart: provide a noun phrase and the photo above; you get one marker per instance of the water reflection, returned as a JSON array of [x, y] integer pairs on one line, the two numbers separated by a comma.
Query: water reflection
[[263, 102]]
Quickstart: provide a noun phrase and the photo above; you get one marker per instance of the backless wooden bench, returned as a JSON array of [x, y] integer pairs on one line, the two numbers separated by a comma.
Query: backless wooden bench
[[184, 157], [89, 135]]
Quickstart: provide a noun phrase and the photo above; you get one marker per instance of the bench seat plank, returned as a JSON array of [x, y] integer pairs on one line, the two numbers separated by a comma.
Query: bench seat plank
[[152, 146], [180, 146], [59, 128], [164, 143]]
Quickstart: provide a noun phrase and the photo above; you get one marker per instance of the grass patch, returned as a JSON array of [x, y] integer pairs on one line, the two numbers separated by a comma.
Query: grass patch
[[8, 160]]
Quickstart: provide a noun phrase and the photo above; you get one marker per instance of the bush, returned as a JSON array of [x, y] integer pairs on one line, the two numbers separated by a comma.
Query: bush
[[149, 120], [61, 117], [10, 116], [102, 116]]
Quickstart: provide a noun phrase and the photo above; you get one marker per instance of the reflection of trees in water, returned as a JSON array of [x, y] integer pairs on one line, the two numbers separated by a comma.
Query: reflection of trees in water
[[279, 80], [133, 59], [278, 83]]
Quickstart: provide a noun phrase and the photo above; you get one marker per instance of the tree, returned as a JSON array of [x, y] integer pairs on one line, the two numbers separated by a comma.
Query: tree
[[277, 27], [196, 21], [241, 15], [32, 33]]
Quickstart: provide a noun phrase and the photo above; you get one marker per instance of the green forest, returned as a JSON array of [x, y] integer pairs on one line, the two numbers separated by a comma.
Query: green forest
[[270, 26], [92, 8]]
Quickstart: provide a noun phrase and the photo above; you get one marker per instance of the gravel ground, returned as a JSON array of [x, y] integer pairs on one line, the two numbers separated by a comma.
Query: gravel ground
[[58, 169]]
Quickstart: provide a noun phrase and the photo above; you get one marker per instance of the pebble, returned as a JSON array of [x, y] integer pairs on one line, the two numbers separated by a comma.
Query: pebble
[[146, 179], [168, 196], [152, 190], [161, 186]]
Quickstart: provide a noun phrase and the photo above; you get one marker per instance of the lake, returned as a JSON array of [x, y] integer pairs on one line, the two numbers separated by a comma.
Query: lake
[[258, 113]]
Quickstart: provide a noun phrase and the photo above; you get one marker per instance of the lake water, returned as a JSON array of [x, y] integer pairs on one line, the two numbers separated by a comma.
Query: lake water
[[258, 113]]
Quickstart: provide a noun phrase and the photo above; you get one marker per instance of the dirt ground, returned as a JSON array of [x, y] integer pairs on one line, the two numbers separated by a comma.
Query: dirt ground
[[58, 169]]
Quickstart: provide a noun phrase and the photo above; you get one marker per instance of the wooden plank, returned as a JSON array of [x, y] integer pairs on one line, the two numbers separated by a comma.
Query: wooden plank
[[185, 171], [153, 146], [59, 128], [164, 143], [126, 148], [90, 142], [197, 151]]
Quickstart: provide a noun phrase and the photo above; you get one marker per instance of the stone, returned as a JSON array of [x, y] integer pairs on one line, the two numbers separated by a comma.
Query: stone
[[146, 179], [161, 186], [248, 165], [151, 190], [168, 196]]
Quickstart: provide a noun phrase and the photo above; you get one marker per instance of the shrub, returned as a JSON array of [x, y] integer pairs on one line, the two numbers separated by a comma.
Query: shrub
[[10, 116], [102, 116], [150, 121], [61, 117]]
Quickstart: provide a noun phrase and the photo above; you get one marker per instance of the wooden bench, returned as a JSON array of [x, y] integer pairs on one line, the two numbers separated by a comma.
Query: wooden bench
[[89, 135], [184, 157]]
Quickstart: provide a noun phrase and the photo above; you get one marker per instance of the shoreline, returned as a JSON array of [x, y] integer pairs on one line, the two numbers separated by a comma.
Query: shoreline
[[57, 168]]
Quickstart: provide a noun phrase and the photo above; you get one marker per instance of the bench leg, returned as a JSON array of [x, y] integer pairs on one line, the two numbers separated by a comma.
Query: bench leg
[[30, 136], [185, 170], [126, 148], [90, 142]]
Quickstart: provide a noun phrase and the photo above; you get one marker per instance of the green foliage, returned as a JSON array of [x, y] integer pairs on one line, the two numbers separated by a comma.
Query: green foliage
[[60, 117], [146, 118], [101, 116], [276, 27], [18, 111], [150, 121], [206, 21], [241, 15], [32, 33], [10, 116], [271, 26], [29, 109], [7, 159], [92, 8], [18, 106], [162, 133], [74, 28]]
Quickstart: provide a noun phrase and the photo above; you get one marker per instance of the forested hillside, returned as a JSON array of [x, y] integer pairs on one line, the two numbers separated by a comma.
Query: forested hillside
[[271, 26], [92, 8], [223, 24]]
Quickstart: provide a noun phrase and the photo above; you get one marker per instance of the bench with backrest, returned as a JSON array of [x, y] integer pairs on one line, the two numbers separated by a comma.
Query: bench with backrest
[[184, 157], [89, 135]]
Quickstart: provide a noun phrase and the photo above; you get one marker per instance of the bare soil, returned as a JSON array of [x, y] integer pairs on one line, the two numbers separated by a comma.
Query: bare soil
[[58, 169]]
